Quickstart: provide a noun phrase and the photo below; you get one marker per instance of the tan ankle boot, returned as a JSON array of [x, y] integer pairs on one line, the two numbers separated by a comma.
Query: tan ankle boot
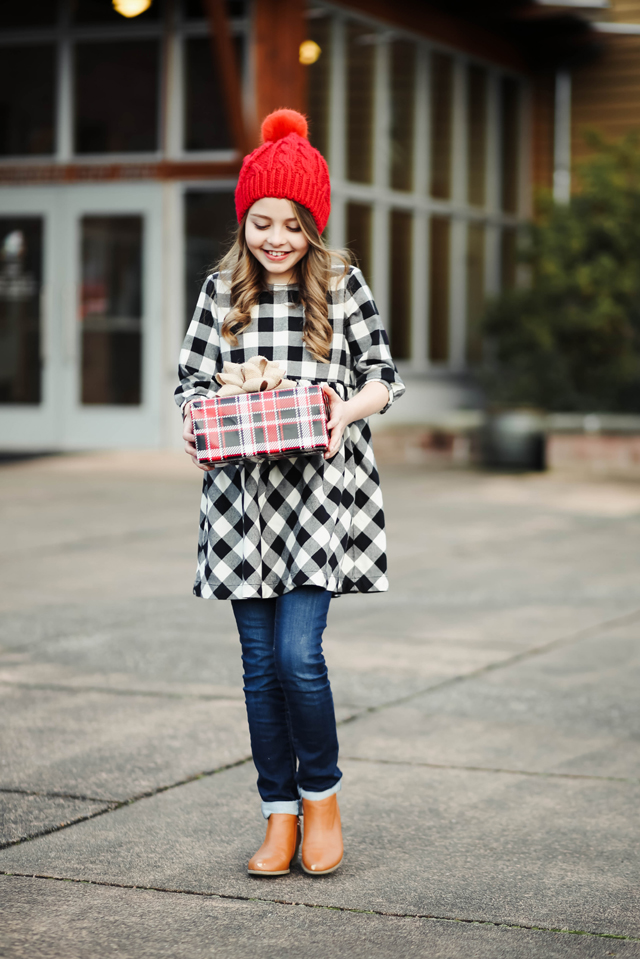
[[322, 848], [280, 847]]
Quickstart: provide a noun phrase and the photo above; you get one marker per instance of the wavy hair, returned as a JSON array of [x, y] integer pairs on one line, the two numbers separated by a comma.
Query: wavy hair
[[315, 273]]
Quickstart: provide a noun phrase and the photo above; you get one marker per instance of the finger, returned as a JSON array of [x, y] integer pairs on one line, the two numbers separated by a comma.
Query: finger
[[331, 393]]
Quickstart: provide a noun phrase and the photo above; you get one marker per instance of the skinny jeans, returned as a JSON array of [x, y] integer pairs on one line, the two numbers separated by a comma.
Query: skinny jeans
[[289, 702]]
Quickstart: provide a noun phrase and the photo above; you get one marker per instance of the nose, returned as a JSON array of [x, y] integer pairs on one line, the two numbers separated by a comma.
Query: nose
[[277, 236]]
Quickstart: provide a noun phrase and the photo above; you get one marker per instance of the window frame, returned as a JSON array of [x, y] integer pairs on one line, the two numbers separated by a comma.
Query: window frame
[[382, 198], [170, 31]]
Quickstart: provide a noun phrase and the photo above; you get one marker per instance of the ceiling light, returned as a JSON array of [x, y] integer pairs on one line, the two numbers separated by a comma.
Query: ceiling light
[[131, 8], [309, 52]]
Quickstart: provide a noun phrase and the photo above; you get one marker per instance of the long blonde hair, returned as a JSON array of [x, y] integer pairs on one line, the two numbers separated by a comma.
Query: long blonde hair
[[314, 275]]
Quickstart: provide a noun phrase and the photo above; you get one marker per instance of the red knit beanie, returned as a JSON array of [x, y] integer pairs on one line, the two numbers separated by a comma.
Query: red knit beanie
[[286, 167]]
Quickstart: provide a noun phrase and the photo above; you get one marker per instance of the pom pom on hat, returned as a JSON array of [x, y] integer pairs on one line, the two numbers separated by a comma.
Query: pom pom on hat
[[287, 167], [281, 123]]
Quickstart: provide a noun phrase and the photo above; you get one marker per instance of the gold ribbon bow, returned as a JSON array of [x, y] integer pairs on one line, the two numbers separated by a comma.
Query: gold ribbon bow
[[254, 376]]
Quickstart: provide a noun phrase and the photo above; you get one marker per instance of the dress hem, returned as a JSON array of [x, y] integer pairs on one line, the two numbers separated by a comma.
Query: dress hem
[[378, 585]]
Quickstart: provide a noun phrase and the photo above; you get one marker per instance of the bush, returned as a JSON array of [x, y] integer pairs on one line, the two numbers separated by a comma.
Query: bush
[[571, 340]]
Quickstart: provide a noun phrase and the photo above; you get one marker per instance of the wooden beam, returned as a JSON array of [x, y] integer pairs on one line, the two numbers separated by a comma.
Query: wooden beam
[[280, 28], [228, 69]]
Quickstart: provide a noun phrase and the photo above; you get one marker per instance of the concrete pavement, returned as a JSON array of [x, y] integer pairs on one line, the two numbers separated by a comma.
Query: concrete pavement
[[490, 733]]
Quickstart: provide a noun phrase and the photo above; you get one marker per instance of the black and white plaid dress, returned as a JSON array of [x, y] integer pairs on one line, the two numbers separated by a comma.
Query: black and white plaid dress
[[269, 526]]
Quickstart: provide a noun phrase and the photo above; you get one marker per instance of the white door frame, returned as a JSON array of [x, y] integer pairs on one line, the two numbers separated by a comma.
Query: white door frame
[[114, 426], [61, 421]]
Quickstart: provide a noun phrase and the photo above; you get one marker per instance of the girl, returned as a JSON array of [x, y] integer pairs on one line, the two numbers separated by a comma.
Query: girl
[[279, 537]]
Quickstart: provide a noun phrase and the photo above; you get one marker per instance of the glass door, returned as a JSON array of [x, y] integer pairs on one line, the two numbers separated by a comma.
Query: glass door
[[114, 324], [29, 350], [80, 317]]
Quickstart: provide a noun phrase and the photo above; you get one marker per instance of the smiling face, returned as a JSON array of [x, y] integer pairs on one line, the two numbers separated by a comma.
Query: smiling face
[[274, 237]]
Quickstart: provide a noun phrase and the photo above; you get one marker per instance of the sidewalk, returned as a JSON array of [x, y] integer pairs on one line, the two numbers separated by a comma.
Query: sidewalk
[[490, 730]]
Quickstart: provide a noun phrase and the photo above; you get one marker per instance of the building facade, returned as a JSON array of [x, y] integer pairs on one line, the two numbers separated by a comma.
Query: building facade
[[120, 142]]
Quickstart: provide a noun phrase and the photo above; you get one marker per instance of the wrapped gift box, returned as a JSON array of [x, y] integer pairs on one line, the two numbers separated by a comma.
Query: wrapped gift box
[[272, 424]]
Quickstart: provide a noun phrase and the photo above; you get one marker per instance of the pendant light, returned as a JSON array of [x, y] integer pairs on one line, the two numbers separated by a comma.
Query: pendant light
[[131, 8]]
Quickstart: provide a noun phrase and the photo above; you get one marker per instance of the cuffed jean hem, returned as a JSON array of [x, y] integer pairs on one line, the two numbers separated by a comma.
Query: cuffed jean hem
[[291, 808], [315, 797]]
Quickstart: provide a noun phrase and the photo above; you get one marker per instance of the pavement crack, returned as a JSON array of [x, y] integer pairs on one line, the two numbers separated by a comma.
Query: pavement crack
[[525, 654], [57, 828], [52, 794], [493, 769], [114, 805], [119, 691], [431, 917]]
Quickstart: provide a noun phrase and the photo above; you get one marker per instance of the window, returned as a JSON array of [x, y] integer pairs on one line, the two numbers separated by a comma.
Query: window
[[475, 289], [116, 96], [439, 257], [359, 120], [508, 258], [206, 125], [476, 135], [210, 225], [318, 84], [359, 236], [403, 84], [27, 94], [400, 260], [394, 198], [441, 124], [118, 85], [510, 135], [111, 310], [36, 13]]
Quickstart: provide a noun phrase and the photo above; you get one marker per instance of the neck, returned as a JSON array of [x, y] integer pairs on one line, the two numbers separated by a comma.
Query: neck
[[279, 279]]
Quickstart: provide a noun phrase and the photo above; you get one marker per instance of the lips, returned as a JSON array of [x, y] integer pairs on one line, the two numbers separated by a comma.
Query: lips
[[276, 255]]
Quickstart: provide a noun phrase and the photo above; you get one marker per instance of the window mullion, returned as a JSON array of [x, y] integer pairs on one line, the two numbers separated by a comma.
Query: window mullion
[[525, 192], [380, 256], [422, 125], [420, 272], [337, 107], [420, 292], [459, 151], [493, 145], [458, 293], [64, 106], [174, 129]]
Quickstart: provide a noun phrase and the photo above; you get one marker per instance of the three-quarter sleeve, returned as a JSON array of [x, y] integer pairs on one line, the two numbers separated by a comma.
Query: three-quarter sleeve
[[368, 340], [200, 351]]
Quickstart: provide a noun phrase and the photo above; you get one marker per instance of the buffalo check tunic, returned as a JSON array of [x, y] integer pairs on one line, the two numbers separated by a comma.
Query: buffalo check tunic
[[268, 526]]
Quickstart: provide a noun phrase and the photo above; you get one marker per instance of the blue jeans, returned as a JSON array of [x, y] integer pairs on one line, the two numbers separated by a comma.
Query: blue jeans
[[289, 703]]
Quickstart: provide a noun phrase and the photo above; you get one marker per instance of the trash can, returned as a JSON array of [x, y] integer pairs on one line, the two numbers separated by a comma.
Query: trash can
[[514, 440]]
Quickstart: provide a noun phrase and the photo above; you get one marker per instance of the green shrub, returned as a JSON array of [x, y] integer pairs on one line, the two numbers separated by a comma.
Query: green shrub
[[570, 340]]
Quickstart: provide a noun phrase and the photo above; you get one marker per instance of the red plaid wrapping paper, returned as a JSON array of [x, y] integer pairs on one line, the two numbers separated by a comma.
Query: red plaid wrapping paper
[[274, 423]]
